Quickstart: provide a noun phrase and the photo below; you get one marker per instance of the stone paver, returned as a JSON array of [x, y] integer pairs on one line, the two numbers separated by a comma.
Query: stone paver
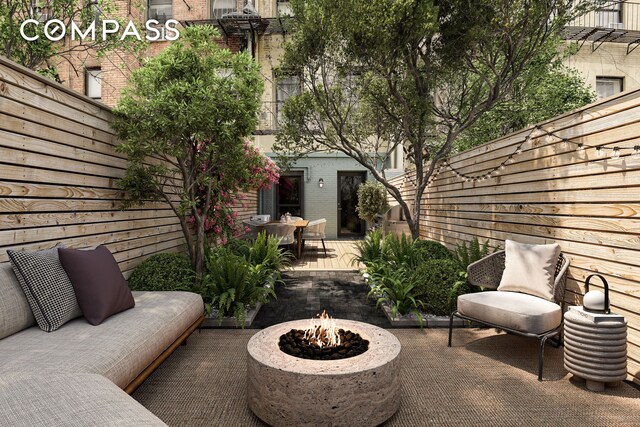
[[342, 294]]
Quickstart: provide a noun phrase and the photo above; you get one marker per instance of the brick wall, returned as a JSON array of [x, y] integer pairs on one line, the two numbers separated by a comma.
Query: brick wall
[[117, 66]]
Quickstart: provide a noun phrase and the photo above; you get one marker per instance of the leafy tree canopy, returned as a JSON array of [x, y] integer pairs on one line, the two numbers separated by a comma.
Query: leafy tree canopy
[[411, 74], [554, 89], [192, 106], [44, 55]]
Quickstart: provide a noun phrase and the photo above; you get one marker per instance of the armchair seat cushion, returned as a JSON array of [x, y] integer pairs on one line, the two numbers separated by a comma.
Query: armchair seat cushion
[[512, 310]]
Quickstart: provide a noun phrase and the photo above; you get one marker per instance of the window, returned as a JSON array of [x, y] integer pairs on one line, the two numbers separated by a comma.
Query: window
[[219, 8], [39, 10], [609, 15], [608, 86], [93, 83], [286, 87], [284, 8], [160, 10]]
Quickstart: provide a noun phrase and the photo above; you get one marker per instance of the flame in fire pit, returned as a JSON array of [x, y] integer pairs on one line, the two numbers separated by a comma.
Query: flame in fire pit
[[323, 333]]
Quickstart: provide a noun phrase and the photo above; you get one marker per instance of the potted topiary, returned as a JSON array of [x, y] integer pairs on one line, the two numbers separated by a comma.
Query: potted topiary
[[372, 202]]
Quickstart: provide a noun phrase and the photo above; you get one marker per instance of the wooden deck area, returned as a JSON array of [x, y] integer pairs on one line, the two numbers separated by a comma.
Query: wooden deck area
[[338, 258]]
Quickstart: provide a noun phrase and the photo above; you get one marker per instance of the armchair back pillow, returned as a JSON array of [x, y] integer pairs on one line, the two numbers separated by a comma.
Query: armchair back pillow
[[530, 269], [100, 287]]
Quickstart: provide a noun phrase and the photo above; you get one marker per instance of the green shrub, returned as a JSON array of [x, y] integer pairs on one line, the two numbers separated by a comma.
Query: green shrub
[[430, 249], [231, 285], [239, 247], [369, 249], [435, 283], [163, 272]]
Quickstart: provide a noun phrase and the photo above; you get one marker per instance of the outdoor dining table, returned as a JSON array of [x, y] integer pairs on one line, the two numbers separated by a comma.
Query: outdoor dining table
[[300, 226]]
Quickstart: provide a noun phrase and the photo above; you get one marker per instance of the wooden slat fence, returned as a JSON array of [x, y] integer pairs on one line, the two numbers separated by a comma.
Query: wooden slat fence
[[590, 205], [58, 174]]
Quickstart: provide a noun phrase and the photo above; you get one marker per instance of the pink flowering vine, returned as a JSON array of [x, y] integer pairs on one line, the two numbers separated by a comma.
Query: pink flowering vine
[[221, 222]]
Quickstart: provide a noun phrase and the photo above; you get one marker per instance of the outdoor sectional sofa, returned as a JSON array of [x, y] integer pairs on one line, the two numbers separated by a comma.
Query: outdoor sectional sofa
[[82, 374]]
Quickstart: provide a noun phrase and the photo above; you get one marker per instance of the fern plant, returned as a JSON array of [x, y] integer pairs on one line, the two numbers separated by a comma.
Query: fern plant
[[393, 287], [470, 252], [466, 254], [401, 251], [231, 285], [369, 249], [265, 250]]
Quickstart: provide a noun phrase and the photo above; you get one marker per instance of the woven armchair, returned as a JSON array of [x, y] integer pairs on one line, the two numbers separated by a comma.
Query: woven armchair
[[487, 273], [514, 312]]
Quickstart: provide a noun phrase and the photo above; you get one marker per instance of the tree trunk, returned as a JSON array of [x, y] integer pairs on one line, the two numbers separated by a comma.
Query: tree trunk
[[414, 227], [199, 252]]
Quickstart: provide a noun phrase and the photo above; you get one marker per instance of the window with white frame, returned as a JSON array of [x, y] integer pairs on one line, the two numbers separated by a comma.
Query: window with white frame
[[284, 8], [287, 86], [609, 15], [608, 86], [219, 8], [93, 83], [160, 10]]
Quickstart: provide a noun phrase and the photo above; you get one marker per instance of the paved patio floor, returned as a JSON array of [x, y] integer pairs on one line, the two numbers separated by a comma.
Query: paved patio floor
[[342, 294]]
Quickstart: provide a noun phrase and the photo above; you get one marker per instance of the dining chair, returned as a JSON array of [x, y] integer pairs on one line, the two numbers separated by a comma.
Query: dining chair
[[253, 227], [315, 231], [285, 232]]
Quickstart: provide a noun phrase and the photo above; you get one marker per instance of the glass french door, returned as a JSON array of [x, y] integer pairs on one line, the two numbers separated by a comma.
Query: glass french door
[[349, 224], [290, 195]]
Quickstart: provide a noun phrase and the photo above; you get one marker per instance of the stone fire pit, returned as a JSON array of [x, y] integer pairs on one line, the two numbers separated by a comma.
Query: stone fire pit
[[284, 390]]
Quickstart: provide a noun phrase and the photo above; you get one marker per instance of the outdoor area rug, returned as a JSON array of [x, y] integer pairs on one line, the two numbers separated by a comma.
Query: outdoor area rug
[[485, 379]]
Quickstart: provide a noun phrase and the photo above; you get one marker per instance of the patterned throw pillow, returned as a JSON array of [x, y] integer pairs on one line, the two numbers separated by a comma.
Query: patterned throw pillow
[[46, 286]]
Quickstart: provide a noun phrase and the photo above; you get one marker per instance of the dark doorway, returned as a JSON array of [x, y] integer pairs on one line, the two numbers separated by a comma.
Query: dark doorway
[[290, 195], [349, 224]]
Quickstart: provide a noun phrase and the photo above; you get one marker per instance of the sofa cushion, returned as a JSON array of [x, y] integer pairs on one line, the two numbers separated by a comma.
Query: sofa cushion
[[46, 286], [30, 399], [530, 269], [513, 310], [100, 287], [15, 313], [119, 348]]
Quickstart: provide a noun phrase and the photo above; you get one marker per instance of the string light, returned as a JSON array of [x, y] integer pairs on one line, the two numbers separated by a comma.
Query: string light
[[535, 133], [616, 153]]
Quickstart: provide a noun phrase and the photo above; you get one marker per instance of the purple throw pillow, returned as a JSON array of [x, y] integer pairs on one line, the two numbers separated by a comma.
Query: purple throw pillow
[[100, 287]]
